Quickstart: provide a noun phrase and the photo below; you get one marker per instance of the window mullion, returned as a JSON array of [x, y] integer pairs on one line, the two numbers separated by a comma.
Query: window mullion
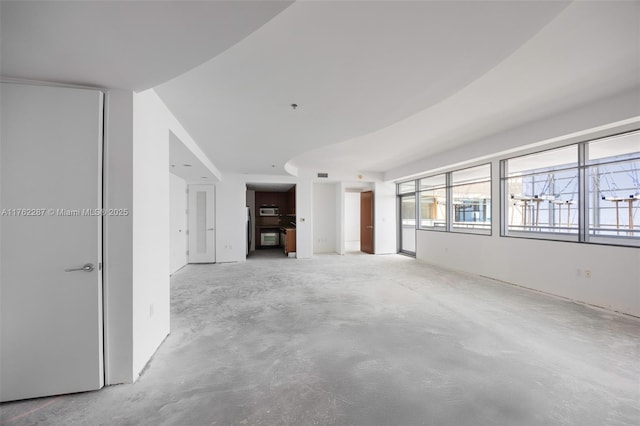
[[583, 198], [449, 209]]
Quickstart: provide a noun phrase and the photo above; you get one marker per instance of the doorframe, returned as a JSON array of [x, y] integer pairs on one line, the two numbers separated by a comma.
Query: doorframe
[[399, 198], [117, 241], [190, 229], [373, 222], [103, 241]]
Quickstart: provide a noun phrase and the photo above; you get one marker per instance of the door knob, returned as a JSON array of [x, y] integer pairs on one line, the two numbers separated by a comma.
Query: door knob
[[88, 267], [209, 229]]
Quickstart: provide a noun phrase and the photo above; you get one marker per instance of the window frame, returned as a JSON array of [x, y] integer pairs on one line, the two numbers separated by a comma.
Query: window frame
[[582, 204], [419, 192], [450, 185]]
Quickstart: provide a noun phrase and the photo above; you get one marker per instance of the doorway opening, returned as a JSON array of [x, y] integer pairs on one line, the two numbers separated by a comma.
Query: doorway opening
[[407, 224], [352, 221], [270, 220], [192, 207]]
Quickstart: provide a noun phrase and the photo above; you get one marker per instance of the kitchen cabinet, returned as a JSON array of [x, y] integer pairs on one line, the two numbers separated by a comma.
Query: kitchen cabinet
[[291, 201], [289, 242], [272, 199]]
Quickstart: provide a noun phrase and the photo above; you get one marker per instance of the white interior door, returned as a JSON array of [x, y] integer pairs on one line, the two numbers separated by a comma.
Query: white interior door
[[51, 166], [202, 234]]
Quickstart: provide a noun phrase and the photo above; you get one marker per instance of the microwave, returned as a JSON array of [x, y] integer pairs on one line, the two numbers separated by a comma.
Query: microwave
[[269, 211]]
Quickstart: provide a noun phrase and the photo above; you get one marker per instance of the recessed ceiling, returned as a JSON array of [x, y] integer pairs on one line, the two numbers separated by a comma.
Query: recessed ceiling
[[589, 52], [378, 83], [121, 44], [184, 163]]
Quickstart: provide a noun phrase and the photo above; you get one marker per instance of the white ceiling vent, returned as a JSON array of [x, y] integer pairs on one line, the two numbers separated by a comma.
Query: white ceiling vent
[[323, 175]]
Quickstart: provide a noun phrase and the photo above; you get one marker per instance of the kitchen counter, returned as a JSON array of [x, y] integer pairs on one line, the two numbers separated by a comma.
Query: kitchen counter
[[289, 243]]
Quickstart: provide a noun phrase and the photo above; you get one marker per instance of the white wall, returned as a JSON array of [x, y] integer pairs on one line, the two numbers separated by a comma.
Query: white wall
[[550, 266], [177, 223], [385, 227], [137, 247], [324, 218], [230, 219], [352, 217], [152, 125], [304, 219], [150, 226], [339, 214]]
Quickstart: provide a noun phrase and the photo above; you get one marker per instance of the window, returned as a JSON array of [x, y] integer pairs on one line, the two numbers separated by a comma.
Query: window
[[433, 202], [471, 198], [613, 173], [587, 192], [407, 187], [542, 192]]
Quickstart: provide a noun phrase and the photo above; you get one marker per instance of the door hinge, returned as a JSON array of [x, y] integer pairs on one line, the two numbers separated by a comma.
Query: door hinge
[[187, 252], [99, 266], [186, 232]]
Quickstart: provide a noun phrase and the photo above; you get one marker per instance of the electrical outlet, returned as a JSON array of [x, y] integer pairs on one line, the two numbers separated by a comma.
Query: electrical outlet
[[587, 273], [578, 272]]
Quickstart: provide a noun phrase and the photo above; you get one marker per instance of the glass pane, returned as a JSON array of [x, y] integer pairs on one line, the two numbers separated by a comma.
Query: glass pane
[[614, 191], [544, 202], [472, 206], [408, 210], [620, 147], [473, 174], [201, 221], [544, 161], [433, 182], [433, 209], [408, 223], [407, 187]]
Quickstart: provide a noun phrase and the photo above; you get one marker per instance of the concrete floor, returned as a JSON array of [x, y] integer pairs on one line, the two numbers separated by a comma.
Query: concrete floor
[[367, 340]]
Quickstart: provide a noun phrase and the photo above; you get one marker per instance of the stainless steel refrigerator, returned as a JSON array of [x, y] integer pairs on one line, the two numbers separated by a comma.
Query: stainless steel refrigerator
[[249, 230]]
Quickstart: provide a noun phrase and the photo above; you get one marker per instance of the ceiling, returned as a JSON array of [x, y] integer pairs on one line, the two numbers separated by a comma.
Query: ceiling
[[185, 164], [378, 83], [131, 45]]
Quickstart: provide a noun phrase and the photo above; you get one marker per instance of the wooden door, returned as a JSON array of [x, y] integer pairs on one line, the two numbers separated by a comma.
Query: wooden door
[[366, 222], [51, 277]]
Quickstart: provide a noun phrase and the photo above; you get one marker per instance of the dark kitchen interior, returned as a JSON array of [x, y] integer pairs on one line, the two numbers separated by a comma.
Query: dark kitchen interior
[[275, 222]]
